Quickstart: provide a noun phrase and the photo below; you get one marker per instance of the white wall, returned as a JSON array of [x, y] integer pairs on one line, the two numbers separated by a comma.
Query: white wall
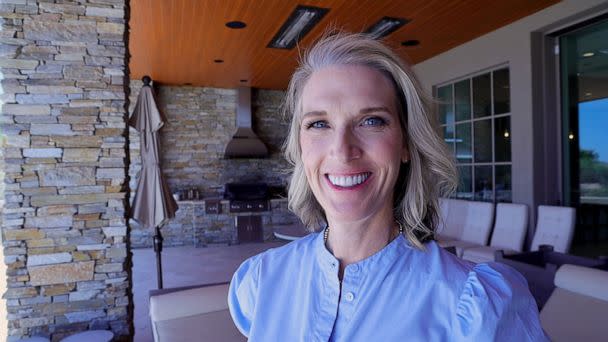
[[511, 44]]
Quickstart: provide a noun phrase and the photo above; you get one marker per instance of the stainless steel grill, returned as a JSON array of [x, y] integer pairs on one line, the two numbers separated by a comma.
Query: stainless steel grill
[[247, 197], [247, 200]]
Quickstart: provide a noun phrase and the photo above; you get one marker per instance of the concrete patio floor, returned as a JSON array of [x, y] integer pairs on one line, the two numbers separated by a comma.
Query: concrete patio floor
[[184, 266]]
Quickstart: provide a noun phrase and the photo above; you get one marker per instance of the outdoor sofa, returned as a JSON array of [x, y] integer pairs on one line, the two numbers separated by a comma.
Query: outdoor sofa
[[195, 313]]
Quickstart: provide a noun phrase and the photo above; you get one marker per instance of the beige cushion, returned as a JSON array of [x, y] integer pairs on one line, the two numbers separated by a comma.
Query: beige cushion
[[90, 336], [510, 226], [478, 223], [578, 307], [483, 253], [584, 280], [465, 220], [453, 217], [198, 314], [189, 302], [555, 227], [471, 220], [569, 316], [460, 246], [211, 326], [508, 234], [444, 207]]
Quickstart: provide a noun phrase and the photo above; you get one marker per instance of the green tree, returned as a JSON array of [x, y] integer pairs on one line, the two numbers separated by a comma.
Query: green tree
[[593, 171]]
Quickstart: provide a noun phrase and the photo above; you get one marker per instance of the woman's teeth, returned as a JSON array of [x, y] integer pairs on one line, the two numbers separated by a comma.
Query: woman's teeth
[[348, 181]]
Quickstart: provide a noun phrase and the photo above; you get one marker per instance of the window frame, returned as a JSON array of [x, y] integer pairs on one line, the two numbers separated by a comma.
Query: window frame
[[472, 164]]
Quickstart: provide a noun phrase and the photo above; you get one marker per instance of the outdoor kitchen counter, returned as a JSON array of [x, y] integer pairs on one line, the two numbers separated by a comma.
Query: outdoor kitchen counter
[[207, 227]]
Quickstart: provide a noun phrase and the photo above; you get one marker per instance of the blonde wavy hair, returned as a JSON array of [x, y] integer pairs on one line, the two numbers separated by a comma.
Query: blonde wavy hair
[[431, 171]]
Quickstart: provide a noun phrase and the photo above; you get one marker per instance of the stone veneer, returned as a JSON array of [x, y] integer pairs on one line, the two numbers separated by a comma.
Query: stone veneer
[[200, 122], [64, 137], [192, 225]]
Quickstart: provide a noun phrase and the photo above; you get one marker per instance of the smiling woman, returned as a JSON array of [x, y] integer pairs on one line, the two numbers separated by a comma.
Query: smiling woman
[[368, 169], [357, 78], [352, 147]]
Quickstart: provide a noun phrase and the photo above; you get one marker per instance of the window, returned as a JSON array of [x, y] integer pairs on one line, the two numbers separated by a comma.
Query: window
[[475, 118]]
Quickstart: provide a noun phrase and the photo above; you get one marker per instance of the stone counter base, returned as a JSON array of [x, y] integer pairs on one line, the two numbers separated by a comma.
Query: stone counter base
[[193, 227]]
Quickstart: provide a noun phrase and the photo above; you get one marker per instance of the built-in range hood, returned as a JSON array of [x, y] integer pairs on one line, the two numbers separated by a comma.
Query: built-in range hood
[[245, 143]]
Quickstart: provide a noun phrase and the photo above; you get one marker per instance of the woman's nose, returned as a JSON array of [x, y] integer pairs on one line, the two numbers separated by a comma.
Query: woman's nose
[[346, 145]]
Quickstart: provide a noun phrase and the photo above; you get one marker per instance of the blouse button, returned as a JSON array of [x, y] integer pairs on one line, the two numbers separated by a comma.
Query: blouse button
[[349, 296], [354, 268]]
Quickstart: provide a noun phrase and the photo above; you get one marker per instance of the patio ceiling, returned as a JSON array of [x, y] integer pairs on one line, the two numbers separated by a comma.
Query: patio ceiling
[[177, 41]]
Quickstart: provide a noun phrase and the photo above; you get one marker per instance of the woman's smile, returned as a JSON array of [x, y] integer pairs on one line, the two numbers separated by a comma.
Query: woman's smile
[[348, 181]]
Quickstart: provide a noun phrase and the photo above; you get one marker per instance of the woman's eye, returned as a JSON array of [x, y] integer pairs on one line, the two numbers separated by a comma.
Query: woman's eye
[[374, 121], [317, 124]]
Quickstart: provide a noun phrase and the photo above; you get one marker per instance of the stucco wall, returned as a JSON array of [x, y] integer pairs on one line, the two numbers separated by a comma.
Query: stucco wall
[[512, 45]]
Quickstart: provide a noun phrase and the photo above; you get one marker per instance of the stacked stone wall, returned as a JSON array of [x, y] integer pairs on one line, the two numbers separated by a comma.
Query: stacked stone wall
[[200, 122], [64, 136]]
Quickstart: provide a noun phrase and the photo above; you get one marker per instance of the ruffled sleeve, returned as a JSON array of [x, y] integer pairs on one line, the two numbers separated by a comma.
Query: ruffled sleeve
[[242, 294], [496, 305]]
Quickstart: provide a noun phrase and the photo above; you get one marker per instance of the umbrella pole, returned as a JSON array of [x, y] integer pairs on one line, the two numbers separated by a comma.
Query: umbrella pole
[[158, 247]]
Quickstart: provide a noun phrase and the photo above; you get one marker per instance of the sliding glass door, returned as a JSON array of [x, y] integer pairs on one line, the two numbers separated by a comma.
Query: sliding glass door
[[584, 89]]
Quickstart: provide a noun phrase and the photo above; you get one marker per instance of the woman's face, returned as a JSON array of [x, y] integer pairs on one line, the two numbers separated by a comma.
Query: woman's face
[[351, 140]]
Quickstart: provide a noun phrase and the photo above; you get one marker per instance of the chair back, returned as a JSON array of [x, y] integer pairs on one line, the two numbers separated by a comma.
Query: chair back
[[453, 217], [478, 222], [444, 208], [510, 226], [576, 310], [555, 227]]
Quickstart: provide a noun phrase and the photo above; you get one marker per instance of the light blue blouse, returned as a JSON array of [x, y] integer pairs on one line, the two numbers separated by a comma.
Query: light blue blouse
[[292, 293]]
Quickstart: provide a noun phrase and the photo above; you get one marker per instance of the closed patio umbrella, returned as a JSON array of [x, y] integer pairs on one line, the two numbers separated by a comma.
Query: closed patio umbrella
[[153, 204]]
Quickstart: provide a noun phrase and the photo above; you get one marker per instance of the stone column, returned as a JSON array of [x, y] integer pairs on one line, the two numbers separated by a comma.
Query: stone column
[[63, 125]]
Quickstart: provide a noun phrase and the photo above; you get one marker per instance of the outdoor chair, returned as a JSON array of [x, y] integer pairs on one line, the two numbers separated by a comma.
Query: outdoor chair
[[508, 234], [452, 218], [478, 217], [444, 207], [196, 313], [555, 227], [577, 308]]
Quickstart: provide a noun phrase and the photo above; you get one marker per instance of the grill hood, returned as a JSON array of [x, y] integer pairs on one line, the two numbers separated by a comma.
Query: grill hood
[[245, 143]]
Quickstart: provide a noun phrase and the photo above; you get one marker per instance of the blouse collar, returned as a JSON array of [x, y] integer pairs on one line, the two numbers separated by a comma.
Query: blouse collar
[[381, 259]]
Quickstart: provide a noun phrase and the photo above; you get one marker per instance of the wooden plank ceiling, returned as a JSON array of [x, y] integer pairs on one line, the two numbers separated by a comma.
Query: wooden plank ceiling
[[177, 41]]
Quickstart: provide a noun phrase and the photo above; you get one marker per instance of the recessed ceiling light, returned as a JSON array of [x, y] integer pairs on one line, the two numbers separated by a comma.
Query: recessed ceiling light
[[299, 23], [588, 54], [385, 26], [588, 94], [218, 60], [236, 25], [411, 42]]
